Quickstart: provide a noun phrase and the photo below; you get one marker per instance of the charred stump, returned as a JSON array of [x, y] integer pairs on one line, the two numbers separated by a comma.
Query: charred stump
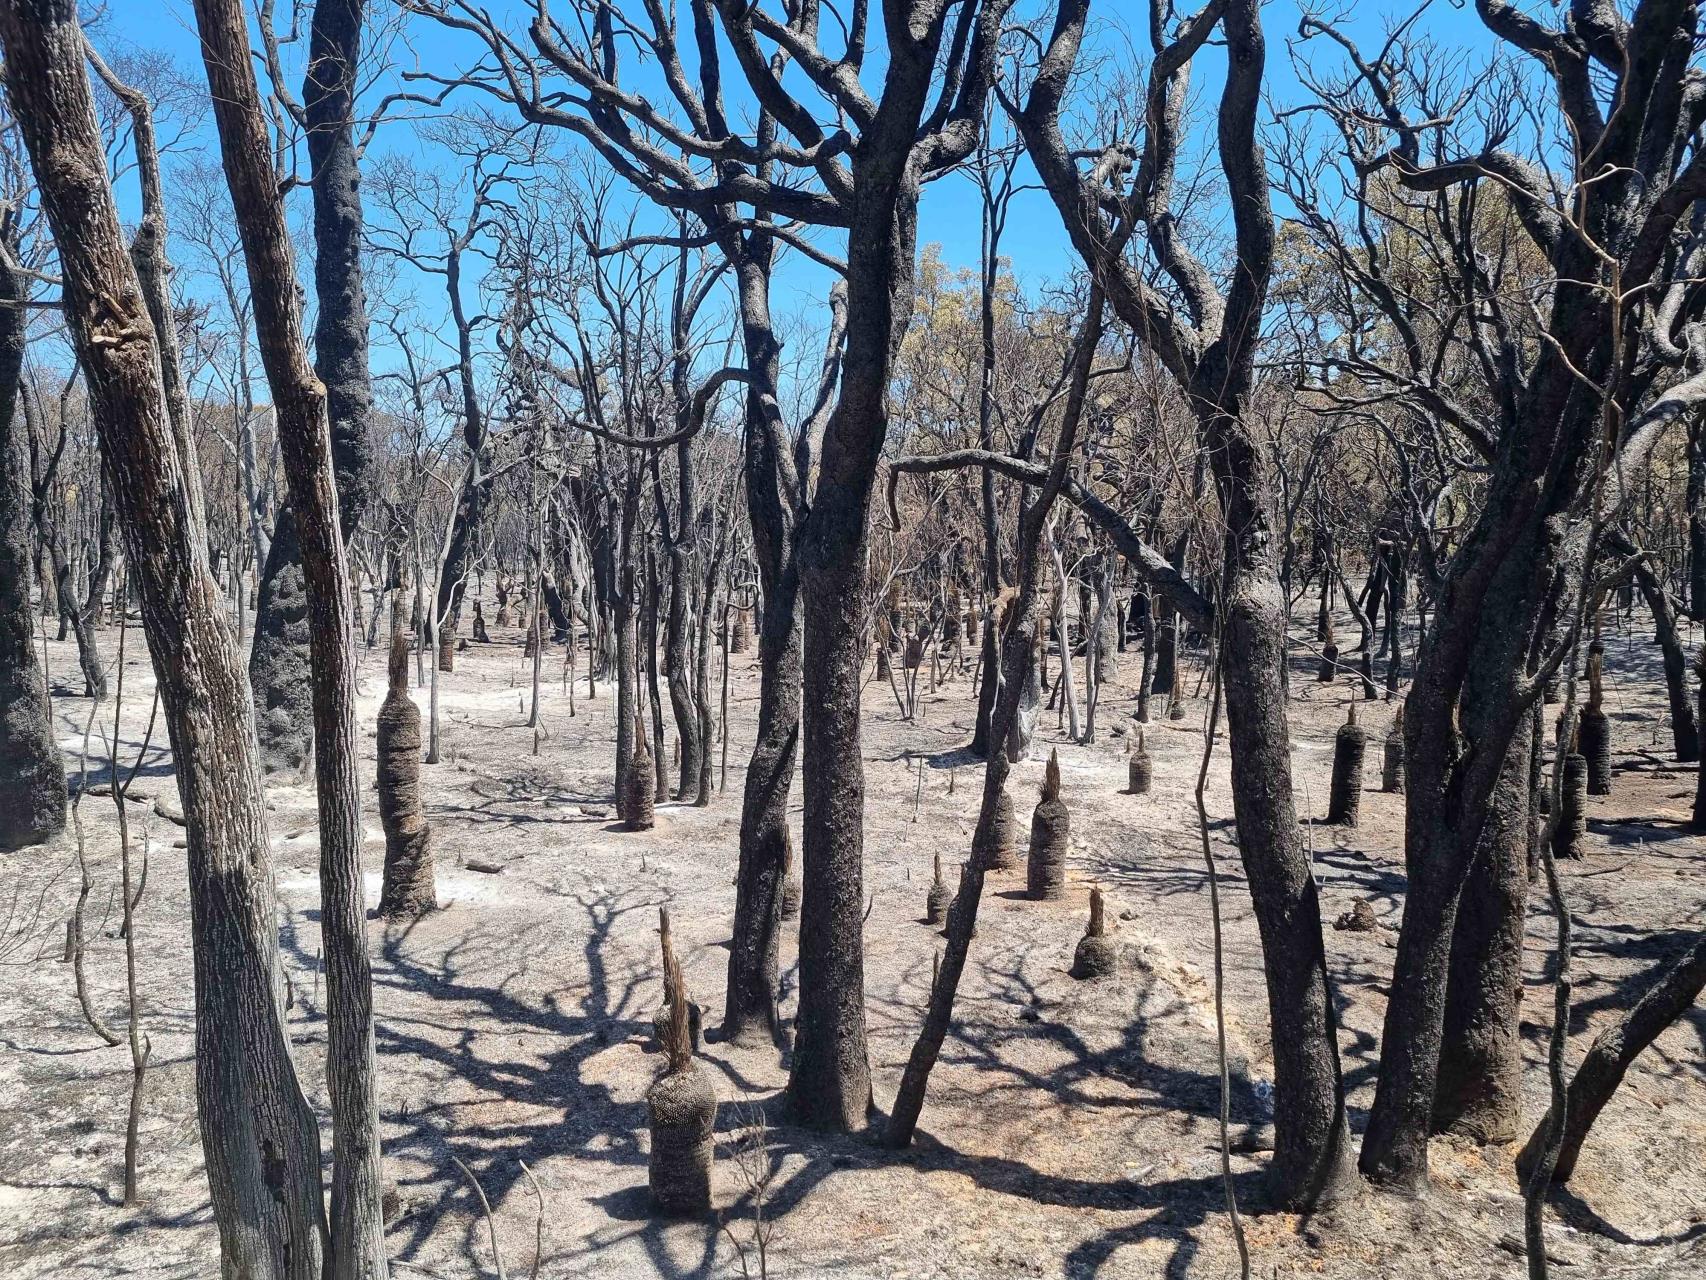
[[1140, 769], [1095, 956], [1593, 739], [408, 887], [1344, 799], [681, 1106], [1573, 816], [937, 900], [1392, 760], [640, 788], [1051, 825]]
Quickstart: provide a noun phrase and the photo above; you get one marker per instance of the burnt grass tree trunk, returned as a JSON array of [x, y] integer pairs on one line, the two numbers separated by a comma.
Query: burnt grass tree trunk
[[1350, 748], [681, 1105], [1140, 769], [1593, 731], [1392, 755], [1051, 828], [1097, 955], [258, 1132], [32, 774], [356, 1241], [408, 886]]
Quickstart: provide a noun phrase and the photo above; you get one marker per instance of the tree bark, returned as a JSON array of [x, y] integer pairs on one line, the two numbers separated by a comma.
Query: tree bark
[[1479, 1092], [765, 845], [32, 773], [1684, 731], [258, 1132], [357, 1247], [830, 1084], [1670, 995], [1214, 361]]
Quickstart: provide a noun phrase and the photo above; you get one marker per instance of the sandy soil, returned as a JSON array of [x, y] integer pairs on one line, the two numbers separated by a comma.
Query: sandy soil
[[1071, 1127]]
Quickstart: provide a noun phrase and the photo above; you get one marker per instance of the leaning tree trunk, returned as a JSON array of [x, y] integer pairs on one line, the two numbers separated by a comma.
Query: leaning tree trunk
[[32, 774], [258, 1132], [1020, 624], [1671, 995], [357, 1244]]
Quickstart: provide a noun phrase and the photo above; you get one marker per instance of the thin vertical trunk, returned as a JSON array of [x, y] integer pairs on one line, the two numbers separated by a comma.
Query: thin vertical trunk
[[765, 846], [1685, 732], [32, 775], [357, 1249], [1694, 505]]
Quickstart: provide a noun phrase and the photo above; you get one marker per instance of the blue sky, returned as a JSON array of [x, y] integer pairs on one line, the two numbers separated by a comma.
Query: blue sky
[[949, 215]]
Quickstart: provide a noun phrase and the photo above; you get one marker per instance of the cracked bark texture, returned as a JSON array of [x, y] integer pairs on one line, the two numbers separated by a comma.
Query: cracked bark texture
[[32, 773], [258, 1132]]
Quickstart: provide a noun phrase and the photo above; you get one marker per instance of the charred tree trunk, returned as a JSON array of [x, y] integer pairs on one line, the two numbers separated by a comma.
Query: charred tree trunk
[[1215, 365], [258, 1131], [1479, 1093], [765, 848], [278, 658], [357, 1247], [1671, 995], [32, 774], [408, 887], [678, 628], [1694, 502], [340, 323], [629, 726], [1684, 730]]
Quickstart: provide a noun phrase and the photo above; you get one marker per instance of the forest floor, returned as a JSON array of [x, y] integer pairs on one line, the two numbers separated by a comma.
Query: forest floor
[[1071, 1128]]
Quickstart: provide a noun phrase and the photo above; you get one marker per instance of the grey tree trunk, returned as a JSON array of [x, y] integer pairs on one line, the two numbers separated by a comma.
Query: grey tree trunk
[[278, 661], [258, 1132], [765, 846], [357, 1242], [32, 773]]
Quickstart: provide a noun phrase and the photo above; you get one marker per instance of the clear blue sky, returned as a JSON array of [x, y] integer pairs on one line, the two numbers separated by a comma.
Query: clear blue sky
[[949, 215]]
